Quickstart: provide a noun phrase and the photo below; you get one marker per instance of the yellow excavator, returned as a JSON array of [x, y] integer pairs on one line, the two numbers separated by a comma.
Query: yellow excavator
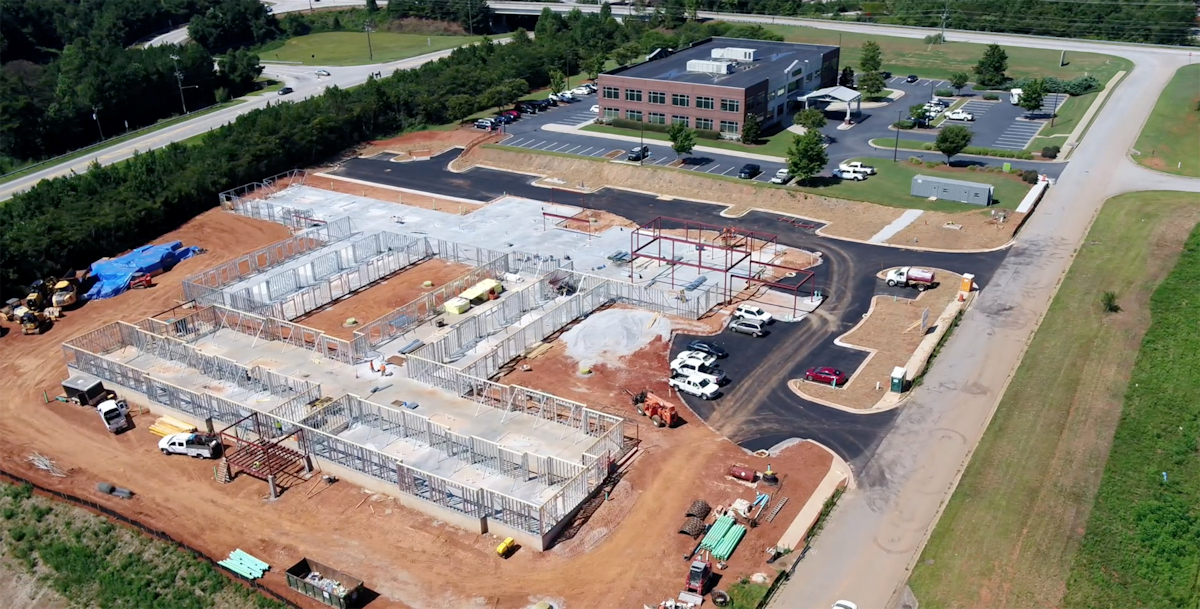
[[66, 293]]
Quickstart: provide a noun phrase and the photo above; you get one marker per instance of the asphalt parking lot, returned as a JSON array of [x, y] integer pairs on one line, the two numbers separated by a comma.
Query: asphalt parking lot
[[757, 409]]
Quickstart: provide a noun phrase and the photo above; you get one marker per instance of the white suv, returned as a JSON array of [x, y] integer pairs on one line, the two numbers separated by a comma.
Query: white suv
[[745, 311]]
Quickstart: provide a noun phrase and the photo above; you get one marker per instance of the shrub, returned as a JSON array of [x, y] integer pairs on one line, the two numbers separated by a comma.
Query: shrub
[[972, 168], [904, 124], [1050, 152], [935, 39], [991, 96], [1109, 301], [1030, 176], [931, 164], [1077, 86], [915, 160], [944, 93], [927, 146]]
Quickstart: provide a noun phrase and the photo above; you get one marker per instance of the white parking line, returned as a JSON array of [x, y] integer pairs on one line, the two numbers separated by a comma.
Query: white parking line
[[563, 147], [714, 167], [543, 142], [726, 172], [940, 83], [587, 150], [515, 143], [574, 149], [599, 152]]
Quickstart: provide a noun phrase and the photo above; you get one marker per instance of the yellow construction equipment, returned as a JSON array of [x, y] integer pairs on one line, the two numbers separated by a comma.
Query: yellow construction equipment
[[66, 293], [32, 322], [7, 312]]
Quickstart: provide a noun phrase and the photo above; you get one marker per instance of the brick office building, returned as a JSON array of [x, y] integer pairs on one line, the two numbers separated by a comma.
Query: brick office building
[[715, 83]]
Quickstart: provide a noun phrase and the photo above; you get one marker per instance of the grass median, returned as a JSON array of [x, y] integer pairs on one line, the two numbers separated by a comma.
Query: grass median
[[350, 48], [1011, 534], [773, 145], [1169, 141]]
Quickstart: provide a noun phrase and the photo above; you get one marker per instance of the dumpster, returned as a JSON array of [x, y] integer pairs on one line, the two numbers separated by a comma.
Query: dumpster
[[325, 584]]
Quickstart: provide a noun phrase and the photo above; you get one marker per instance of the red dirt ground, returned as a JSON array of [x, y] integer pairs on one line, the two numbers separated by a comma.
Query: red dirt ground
[[379, 299], [629, 554]]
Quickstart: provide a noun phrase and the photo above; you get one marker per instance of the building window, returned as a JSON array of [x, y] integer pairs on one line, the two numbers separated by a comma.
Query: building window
[[793, 86], [704, 123], [658, 97], [612, 93], [679, 120], [704, 103], [679, 100], [731, 105], [729, 127], [657, 118], [612, 113], [633, 95], [634, 115]]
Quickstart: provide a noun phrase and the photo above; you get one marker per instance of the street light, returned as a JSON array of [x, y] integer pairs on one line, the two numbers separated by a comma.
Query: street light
[[179, 82], [896, 147], [367, 29], [641, 140], [96, 117]]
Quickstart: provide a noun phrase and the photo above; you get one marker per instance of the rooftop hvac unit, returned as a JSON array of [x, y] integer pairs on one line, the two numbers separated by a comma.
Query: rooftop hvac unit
[[733, 53], [709, 67]]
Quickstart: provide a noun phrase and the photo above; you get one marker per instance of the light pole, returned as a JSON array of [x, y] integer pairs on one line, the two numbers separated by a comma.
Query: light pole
[[641, 140], [179, 82], [96, 117], [896, 147], [367, 29]]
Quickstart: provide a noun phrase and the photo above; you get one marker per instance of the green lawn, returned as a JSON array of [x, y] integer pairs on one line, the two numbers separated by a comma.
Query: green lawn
[[923, 146], [775, 145], [350, 48], [1142, 546], [121, 139], [912, 56], [1065, 120], [1169, 141], [1010, 535]]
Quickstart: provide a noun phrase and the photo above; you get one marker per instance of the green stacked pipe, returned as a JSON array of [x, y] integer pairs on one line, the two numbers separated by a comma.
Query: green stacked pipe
[[718, 530], [729, 542], [245, 565]]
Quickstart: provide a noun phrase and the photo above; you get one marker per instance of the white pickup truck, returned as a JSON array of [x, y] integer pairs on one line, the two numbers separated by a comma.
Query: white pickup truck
[[911, 277], [190, 444], [858, 166], [115, 414], [695, 366], [694, 385]]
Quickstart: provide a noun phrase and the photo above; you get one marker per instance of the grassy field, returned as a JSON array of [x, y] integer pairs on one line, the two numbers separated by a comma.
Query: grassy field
[[1168, 141], [88, 560], [120, 140], [912, 56], [350, 48], [1065, 120], [1142, 546], [925, 146], [1010, 535]]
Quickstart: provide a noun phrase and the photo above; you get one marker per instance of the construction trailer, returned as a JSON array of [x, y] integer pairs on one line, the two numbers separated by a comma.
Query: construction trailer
[[974, 193]]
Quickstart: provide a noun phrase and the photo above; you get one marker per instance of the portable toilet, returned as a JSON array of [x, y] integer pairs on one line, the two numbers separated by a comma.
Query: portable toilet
[[968, 282], [898, 374]]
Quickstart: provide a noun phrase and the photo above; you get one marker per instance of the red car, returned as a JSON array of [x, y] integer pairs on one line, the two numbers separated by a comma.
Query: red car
[[825, 375]]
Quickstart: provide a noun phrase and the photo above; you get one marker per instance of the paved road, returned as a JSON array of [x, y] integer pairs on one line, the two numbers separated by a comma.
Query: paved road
[[757, 410]]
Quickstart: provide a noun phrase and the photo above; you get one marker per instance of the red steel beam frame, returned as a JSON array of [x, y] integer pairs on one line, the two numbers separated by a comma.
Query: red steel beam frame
[[263, 448], [734, 254], [794, 289]]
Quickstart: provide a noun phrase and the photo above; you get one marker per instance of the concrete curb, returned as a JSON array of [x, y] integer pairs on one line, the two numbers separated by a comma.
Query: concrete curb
[[1086, 120], [556, 128]]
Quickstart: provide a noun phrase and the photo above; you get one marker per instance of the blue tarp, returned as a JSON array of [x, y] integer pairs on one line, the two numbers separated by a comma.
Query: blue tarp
[[113, 275]]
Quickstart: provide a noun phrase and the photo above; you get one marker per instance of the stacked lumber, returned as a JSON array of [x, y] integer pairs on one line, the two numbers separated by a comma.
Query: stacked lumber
[[166, 426], [245, 565]]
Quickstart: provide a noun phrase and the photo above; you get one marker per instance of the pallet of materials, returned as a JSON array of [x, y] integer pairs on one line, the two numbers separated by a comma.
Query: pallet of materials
[[166, 426]]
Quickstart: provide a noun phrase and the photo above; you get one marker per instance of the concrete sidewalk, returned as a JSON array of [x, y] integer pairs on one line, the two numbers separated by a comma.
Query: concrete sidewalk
[[557, 128]]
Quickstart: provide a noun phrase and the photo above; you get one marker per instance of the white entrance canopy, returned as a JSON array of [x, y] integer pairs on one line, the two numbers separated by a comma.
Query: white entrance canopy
[[845, 95]]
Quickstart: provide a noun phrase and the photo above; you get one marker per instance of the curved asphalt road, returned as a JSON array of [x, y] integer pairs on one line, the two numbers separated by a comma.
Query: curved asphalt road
[[758, 410]]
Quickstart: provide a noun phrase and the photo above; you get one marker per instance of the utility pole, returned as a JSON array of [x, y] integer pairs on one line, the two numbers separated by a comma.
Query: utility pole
[[179, 82], [896, 147], [96, 117], [470, 20], [641, 140], [370, 51], [945, 16]]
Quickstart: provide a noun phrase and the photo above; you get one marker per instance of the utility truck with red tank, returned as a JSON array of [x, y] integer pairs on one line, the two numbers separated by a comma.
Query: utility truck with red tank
[[912, 277]]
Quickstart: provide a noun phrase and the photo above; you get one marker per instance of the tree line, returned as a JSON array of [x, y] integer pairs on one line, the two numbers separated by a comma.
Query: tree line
[[70, 77], [72, 221]]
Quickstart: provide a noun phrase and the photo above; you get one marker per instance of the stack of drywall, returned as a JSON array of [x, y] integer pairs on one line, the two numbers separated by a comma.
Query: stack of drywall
[[245, 565], [166, 426]]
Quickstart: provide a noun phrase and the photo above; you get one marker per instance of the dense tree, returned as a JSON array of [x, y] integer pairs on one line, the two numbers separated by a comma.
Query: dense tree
[[240, 68], [958, 80], [558, 81], [683, 139], [752, 129], [871, 84], [806, 157], [871, 59], [810, 118], [1032, 96], [953, 140], [233, 24], [918, 114], [846, 79], [990, 69]]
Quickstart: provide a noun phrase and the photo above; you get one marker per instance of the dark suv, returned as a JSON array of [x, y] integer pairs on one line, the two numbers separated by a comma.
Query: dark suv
[[639, 153], [749, 170]]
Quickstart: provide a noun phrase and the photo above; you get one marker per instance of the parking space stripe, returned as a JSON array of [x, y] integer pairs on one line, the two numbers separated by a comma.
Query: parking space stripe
[[714, 168], [726, 172], [574, 149], [517, 142], [587, 150]]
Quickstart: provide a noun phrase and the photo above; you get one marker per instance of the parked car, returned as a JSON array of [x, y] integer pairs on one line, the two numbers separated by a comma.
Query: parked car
[[596, 109], [747, 326], [581, 90], [704, 346], [697, 386], [748, 171], [694, 367], [564, 96], [322, 72], [960, 115], [845, 174], [485, 123], [190, 444], [502, 119], [745, 311], [527, 108], [886, 75], [513, 114], [639, 153], [706, 359], [912, 78], [783, 176], [826, 375], [591, 86], [286, 90], [551, 100], [858, 166]]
